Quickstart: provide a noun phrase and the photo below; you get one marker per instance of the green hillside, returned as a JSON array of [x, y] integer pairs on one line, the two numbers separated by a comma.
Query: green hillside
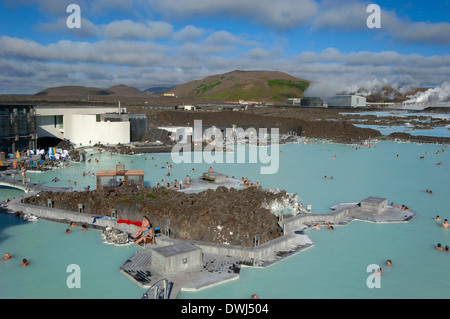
[[270, 86]]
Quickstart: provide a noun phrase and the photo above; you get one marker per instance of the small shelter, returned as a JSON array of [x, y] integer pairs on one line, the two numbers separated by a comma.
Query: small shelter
[[120, 177]]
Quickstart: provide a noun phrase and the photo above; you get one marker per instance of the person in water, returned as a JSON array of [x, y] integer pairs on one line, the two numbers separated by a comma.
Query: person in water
[[24, 263], [438, 247], [445, 224], [7, 256]]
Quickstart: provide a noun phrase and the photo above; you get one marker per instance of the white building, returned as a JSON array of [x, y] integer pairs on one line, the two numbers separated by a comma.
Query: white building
[[293, 101], [81, 125], [346, 101]]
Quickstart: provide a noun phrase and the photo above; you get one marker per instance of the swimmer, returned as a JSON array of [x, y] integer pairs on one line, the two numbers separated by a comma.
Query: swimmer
[[67, 231], [331, 228], [389, 262], [445, 224], [380, 271], [316, 226], [438, 219], [24, 262], [210, 169], [446, 248], [438, 247], [7, 256], [72, 224], [84, 227]]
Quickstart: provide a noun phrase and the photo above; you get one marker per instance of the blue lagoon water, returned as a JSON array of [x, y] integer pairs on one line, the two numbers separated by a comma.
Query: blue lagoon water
[[335, 267]]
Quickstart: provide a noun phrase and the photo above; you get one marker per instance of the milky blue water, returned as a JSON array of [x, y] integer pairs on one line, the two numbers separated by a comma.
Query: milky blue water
[[386, 130], [335, 267]]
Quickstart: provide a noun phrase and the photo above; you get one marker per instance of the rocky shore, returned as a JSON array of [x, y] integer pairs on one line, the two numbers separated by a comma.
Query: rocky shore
[[226, 216]]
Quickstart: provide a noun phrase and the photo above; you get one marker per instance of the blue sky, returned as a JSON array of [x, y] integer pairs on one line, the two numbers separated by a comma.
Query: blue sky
[[145, 43]]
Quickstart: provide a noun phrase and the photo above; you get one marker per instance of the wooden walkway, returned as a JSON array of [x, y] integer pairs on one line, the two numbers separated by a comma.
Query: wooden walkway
[[29, 187]]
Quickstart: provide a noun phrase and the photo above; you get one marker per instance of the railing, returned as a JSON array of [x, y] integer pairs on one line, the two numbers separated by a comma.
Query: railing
[[159, 293]]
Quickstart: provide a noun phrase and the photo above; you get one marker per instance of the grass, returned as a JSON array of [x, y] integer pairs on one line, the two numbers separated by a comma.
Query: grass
[[276, 90], [203, 88], [151, 195]]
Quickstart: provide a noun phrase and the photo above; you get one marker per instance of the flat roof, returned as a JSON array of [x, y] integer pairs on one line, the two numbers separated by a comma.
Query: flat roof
[[176, 249], [128, 172]]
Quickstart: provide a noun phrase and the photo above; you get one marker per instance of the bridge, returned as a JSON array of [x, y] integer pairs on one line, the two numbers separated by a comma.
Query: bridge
[[29, 187]]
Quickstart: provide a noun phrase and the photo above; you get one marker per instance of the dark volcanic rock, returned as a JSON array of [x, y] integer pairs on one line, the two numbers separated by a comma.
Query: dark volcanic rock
[[226, 216], [335, 131], [418, 138], [155, 134]]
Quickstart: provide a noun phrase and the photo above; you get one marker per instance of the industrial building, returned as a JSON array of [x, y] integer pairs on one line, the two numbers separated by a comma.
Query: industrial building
[[346, 101], [312, 102], [292, 101], [18, 130]]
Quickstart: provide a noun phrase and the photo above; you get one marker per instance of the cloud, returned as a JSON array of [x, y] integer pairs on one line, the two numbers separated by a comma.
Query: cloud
[[223, 37], [88, 29], [189, 34], [282, 15], [339, 15], [127, 29], [115, 52], [332, 71]]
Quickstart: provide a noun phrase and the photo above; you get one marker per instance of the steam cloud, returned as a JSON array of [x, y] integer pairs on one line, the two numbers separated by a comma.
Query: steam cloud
[[437, 94]]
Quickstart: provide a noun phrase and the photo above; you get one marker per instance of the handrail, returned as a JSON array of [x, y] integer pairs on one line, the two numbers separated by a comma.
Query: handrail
[[156, 287]]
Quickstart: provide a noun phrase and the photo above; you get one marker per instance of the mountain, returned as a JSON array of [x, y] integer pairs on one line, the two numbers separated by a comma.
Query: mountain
[[159, 89], [124, 90], [84, 91], [267, 86], [72, 90]]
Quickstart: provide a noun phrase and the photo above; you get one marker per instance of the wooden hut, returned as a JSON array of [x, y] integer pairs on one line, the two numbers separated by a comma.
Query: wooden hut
[[120, 177]]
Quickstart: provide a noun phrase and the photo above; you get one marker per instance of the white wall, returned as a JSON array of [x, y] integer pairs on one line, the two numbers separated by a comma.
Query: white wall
[[46, 127], [79, 128]]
